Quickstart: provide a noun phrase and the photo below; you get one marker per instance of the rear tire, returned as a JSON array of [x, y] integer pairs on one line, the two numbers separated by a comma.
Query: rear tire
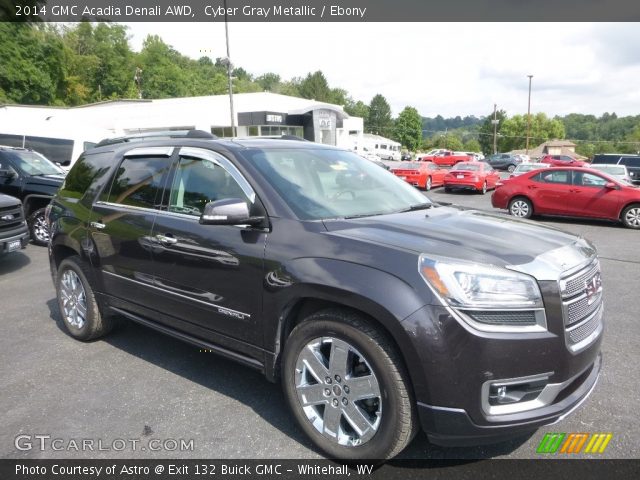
[[631, 216], [511, 168], [347, 387], [38, 227], [428, 184], [79, 309], [483, 190], [521, 207]]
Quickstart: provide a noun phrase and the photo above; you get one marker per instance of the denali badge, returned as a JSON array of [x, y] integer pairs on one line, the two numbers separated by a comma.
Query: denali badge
[[7, 217], [593, 286]]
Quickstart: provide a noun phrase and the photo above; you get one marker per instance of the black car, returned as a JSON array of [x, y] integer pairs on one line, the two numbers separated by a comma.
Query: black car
[[32, 178], [14, 234], [379, 311], [632, 162], [503, 161]]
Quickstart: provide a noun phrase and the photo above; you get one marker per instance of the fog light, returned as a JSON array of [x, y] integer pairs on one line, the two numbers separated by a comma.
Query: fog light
[[507, 393]]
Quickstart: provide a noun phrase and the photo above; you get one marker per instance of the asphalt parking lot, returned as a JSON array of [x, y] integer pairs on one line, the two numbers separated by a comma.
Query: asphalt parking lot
[[139, 384]]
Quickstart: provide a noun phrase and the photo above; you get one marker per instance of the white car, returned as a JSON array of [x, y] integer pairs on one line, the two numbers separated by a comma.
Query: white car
[[525, 167], [619, 172]]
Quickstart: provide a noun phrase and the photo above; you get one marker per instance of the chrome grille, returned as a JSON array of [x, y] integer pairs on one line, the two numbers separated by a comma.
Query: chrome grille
[[581, 307], [13, 217], [574, 284]]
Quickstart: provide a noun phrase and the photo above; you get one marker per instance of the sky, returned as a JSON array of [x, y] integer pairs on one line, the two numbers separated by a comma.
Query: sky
[[439, 68]]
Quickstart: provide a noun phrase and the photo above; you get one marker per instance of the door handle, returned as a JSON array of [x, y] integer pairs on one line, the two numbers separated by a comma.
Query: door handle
[[97, 225], [166, 240]]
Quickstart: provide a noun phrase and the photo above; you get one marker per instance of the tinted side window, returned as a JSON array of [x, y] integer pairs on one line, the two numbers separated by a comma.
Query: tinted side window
[[139, 181], [558, 177], [588, 179], [630, 161], [198, 182], [89, 171]]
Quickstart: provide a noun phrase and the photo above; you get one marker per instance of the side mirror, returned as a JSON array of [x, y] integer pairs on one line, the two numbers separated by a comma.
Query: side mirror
[[8, 174], [229, 211], [611, 186]]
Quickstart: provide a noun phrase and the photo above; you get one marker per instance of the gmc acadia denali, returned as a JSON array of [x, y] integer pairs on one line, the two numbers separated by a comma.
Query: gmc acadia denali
[[379, 311]]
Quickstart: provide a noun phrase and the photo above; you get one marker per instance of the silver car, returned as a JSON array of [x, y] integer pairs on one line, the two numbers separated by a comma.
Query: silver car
[[618, 172]]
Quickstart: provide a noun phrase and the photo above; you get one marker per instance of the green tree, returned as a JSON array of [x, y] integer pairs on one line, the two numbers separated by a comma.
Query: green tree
[[408, 128], [162, 72], [357, 109], [268, 81], [542, 129], [315, 86], [379, 120], [472, 145], [486, 130]]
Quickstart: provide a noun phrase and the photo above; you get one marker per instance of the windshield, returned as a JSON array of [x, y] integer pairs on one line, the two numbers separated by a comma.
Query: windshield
[[408, 166], [32, 163], [320, 183], [466, 166]]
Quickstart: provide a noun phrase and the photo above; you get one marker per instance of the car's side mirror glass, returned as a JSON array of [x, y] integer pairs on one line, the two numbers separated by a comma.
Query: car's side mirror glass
[[229, 211]]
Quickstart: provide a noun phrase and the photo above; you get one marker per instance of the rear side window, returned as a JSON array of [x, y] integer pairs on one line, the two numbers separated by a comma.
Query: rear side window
[[562, 177], [87, 176], [139, 182], [630, 161]]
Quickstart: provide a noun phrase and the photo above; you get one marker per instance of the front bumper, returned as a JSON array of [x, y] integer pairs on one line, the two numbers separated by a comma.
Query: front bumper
[[453, 426], [6, 237]]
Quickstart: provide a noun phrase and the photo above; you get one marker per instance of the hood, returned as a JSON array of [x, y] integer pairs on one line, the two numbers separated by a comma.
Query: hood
[[475, 236], [7, 201], [53, 181]]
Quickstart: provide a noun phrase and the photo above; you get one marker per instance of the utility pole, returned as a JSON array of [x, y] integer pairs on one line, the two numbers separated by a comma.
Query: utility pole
[[529, 113], [495, 130], [229, 67]]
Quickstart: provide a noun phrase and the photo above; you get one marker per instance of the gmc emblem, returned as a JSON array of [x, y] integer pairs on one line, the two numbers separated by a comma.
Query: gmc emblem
[[593, 286]]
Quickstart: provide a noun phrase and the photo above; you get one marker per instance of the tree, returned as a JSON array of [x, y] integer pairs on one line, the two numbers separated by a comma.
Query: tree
[[514, 131], [379, 120], [268, 81], [315, 86], [472, 146], [357, 109], [408, 128]]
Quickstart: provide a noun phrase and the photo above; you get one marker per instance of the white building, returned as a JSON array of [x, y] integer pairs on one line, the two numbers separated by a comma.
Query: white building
[[255, 114]]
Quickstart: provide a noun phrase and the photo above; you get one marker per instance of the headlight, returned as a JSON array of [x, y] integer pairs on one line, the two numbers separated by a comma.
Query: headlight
[[489, 298]]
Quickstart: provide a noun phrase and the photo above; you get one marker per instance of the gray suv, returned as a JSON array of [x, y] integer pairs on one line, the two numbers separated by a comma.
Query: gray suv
[[379, 311]]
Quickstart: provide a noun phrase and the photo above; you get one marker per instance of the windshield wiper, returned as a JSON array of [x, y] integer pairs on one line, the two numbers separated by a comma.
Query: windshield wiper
[[362, 215], [418, 206]]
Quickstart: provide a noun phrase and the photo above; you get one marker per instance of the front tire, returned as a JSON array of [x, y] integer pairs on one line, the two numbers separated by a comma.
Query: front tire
[[38, 227], [521, 207], [347, 388], [79, 309], [631, 216]]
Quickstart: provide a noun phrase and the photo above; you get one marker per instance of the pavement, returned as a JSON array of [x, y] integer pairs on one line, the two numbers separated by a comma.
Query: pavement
[[139, 394]]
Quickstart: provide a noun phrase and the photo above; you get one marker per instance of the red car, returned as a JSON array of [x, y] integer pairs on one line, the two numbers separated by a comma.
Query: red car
[[447, 158], [420, 174], [478, 176], [571, 192], [562, 161]]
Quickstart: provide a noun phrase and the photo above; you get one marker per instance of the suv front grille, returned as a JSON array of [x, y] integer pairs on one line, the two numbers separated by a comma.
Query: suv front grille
[[11, 217], [582, 306]]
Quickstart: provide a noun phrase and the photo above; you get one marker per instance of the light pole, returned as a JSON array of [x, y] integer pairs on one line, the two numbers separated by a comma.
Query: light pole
[[495, 129], [229, 67], [529, 113]]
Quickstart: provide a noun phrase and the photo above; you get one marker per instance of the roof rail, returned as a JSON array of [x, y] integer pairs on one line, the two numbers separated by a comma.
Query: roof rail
[[139, 137]]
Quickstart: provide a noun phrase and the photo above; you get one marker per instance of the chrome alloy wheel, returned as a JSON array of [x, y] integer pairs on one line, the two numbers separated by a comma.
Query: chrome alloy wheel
[[41, 229], [632, 217], [520, 208], [338, 391], [74, 299]]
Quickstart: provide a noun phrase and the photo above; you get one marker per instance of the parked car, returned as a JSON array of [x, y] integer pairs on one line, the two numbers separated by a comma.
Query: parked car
[[378, 310], [431, 153], [562, 161], [423, 175], [504, 161], [448, 158], [619, 172], [406, 157], [527, 167], [571, 192], [478, 176], [33, 179], [14, 233], [631, 162]]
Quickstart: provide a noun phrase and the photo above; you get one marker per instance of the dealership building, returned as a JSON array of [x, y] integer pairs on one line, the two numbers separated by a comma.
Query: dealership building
[[255, 114]]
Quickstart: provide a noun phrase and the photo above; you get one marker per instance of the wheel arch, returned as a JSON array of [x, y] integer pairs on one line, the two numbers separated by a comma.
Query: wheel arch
[[34, 202]]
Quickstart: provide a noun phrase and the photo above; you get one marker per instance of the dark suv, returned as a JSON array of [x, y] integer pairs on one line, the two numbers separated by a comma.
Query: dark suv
[[378, 310], [13, 228], [32, 178]]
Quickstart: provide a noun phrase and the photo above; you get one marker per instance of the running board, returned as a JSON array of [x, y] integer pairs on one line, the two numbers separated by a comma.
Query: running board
[[238, 357]]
